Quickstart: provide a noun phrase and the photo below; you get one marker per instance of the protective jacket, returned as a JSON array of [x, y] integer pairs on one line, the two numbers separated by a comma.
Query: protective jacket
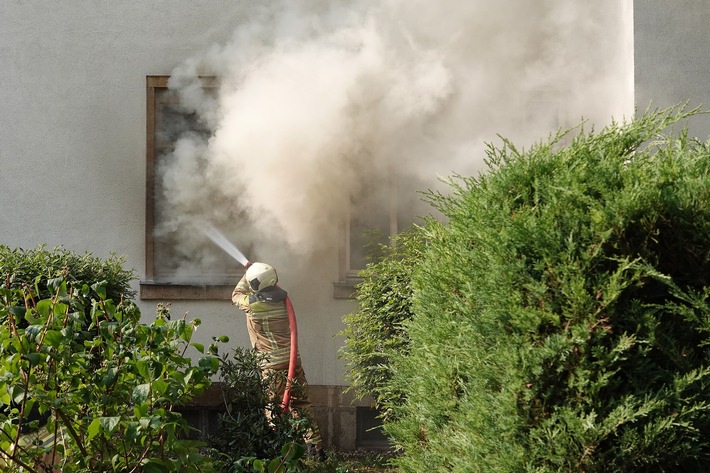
[[267, 322]]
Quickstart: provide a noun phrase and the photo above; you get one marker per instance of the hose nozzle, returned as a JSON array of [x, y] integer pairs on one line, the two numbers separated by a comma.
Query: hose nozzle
[[247, 264]]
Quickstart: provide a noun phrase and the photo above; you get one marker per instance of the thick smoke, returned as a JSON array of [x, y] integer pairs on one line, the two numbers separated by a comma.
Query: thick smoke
[[321, 103]]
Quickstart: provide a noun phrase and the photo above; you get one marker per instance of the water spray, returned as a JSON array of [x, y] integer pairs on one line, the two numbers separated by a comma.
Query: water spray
[[220, 240]]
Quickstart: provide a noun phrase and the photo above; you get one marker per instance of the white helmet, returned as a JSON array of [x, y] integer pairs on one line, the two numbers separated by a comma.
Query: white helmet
[[260, 276]]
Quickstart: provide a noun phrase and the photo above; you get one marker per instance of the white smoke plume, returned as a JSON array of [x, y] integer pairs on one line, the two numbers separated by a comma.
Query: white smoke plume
[[319, 102]]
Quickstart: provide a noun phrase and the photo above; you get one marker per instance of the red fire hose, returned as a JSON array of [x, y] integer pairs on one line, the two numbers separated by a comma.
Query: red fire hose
[[293, 360]]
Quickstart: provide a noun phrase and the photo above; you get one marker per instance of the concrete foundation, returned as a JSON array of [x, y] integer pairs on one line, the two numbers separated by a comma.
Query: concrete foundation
[[345, 424]]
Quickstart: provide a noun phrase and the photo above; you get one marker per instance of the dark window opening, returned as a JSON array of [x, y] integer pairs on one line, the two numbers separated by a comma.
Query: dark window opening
[[369, 434]]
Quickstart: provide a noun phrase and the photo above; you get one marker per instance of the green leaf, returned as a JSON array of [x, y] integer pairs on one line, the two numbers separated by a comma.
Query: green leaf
[[186, 333], [140, 410], [60, 309], [67, 332], [177, 326], [34, 358], [178, 377], [200, 347], [110, 376], [55, 283], [44, 307], [100, 289], [53, 338], [94, 428], [156, 369], [209, 363], [160, 387], [143, 368], [18, 312], [141, 393], [292, 451], [32, 331], [154, 465], [275, 465], [17, 394], [132, 431], [109, 424], [258, 466], [4, 395], [152, 422]]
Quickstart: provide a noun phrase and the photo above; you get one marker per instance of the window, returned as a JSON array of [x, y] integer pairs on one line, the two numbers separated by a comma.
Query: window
[[369, 433], [170, 272], [373, 220]]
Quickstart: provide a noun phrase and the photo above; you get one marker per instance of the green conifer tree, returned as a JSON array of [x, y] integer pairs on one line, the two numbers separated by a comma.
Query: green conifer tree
[[561, 318]]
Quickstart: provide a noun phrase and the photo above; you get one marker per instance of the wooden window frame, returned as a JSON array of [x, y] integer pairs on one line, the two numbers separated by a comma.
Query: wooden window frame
[[349, 276], [150, 288]]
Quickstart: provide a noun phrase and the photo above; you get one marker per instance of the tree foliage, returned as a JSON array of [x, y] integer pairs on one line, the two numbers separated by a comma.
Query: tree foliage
[[561, 317], [374, 332], [83, 384], [36, 267], [254, 434]]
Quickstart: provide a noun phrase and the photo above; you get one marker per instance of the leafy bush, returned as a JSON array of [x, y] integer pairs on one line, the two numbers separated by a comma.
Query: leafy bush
[[374, 332], [253, 433], [562, 315], [81, 373], [35, 267]]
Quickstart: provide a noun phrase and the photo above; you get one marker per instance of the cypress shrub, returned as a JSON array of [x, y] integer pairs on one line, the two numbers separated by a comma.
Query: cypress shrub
[[561, 317], [374, 331]]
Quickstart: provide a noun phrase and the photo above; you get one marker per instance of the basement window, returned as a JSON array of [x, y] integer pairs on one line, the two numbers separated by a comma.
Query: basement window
[[169, 274], [369, 434]]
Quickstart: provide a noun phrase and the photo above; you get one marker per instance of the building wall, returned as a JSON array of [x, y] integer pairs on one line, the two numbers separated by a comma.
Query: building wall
[[73, 150], [73, 136], [672, 65]]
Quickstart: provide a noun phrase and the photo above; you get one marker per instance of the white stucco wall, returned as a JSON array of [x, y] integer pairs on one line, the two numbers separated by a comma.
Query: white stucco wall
[[73, 122], [672, 64], [73, 134]]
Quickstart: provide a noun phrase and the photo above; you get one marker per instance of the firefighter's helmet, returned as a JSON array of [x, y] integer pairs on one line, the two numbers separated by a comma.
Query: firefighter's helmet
[[260, 276]]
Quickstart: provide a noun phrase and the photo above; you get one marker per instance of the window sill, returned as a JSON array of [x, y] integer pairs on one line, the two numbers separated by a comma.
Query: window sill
[[220, 292], [185, 292]]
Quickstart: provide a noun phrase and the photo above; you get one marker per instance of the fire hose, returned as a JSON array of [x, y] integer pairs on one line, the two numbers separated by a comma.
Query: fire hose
[[293, 357]]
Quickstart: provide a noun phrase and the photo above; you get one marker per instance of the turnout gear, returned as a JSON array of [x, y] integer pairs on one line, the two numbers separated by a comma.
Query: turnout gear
[[264, 304], [267, 322]]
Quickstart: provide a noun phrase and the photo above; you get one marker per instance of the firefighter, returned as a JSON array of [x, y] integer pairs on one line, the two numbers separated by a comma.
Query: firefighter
[[264, 304]]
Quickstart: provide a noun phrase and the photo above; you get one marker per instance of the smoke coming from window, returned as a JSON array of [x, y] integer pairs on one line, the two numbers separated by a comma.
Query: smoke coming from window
[[319, 102]]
